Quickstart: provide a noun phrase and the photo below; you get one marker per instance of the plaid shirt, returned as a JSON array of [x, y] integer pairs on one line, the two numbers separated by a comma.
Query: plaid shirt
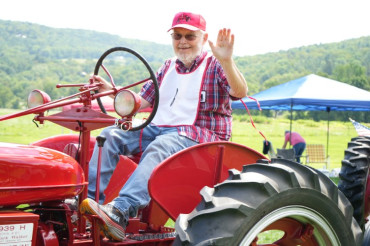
[[213, 122]]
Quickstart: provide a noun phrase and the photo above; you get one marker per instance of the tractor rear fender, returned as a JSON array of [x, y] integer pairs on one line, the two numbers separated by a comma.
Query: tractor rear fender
[[175, 184]]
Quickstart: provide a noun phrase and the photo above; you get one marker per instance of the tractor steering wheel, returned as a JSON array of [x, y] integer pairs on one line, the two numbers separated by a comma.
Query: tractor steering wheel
[[152, 78]]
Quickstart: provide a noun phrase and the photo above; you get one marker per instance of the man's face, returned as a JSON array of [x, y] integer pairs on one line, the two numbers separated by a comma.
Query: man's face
[[187, 44]]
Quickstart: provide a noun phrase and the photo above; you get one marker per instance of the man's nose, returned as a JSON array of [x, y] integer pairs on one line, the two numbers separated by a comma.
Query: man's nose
[[183, 39]]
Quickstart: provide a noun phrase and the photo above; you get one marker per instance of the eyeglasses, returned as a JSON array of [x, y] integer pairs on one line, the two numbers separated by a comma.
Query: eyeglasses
[[188, 37]]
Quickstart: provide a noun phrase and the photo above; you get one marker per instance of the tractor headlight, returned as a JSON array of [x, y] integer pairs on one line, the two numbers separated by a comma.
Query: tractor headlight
[[126, 103], [37, 98]]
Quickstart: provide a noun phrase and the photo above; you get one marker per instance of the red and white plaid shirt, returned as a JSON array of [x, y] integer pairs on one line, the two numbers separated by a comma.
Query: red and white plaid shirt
[[214, 120]]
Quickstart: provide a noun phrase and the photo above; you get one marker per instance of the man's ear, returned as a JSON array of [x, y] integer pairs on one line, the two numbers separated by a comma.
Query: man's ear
[[205, 38]]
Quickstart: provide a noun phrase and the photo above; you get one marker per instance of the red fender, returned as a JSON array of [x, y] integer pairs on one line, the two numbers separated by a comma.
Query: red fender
[[175, 183]]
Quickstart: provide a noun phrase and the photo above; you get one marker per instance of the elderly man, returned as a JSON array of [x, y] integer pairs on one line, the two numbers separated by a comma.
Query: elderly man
[[196, 89]]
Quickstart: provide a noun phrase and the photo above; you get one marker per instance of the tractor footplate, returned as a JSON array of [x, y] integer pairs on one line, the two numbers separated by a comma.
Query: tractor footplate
[[152, 236]]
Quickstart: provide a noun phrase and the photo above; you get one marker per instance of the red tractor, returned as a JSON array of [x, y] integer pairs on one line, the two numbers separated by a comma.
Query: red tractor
[[242, 194]]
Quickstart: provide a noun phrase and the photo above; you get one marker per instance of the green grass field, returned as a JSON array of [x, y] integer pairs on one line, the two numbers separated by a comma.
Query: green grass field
[[23, 130]]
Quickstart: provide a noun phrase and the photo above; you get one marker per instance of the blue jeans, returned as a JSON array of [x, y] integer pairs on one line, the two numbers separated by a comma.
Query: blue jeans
[[299, 148], [158, 143]]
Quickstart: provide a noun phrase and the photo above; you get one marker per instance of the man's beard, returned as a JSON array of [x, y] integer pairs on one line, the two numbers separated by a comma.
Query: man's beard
[[187, 58]]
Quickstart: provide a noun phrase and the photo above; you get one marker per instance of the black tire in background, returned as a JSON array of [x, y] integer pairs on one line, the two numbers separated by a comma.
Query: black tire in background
[[354, 175], [235, 211]]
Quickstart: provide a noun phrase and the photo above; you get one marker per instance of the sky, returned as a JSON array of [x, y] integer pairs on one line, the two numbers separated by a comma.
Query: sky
[[260, 26]]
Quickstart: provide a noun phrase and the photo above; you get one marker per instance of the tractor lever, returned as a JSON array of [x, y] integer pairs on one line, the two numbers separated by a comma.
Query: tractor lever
[[100, 140]]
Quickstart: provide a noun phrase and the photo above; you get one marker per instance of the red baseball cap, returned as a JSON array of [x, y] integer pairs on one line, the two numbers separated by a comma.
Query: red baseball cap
[[189, 21]]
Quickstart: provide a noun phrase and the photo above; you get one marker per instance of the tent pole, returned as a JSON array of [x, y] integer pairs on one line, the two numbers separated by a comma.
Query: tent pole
[[327, 136]]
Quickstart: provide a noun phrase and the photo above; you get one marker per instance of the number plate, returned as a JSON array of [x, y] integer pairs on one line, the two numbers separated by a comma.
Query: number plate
[[16, 234]]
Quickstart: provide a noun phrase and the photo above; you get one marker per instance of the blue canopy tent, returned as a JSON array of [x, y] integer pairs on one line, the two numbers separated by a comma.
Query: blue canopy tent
[[311, 92]]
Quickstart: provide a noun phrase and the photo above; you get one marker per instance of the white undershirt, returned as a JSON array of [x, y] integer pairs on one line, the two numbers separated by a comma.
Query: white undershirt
[[179, 96]]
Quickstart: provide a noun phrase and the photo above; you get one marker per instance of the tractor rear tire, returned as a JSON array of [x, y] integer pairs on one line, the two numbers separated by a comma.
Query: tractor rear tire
[[354, 176], [284, 195]]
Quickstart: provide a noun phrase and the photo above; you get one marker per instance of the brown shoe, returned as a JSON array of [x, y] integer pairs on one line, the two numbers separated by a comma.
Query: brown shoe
[[114, 221]]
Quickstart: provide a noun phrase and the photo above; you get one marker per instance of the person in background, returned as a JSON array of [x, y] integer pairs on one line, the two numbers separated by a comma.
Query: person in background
[[297, 141], [196, 89]]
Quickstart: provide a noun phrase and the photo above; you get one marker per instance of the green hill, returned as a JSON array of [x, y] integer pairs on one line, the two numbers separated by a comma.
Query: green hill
[[35, 56], [43, 43], [347, 61]]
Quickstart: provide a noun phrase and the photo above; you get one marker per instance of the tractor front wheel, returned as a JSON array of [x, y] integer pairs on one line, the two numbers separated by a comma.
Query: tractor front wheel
[[296, 204]]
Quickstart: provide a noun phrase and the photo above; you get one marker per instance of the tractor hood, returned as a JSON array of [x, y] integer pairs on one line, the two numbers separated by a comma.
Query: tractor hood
[[31, 174]]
